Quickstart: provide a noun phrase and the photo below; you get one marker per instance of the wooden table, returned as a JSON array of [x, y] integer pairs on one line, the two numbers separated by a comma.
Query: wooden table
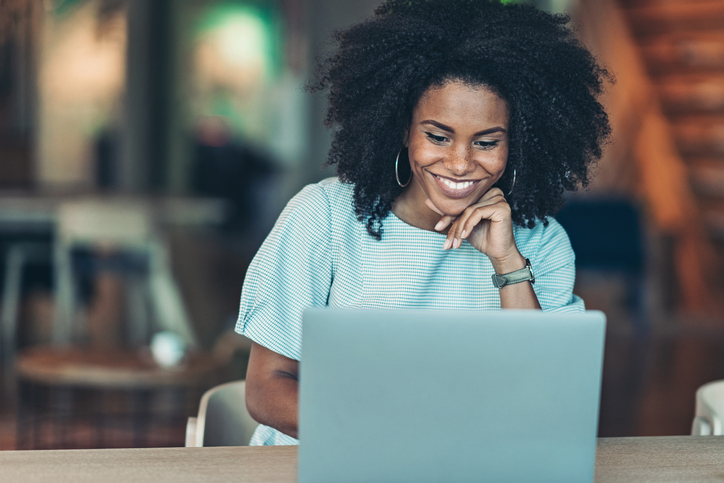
[[663, 459], [112, 368], [64, 396]]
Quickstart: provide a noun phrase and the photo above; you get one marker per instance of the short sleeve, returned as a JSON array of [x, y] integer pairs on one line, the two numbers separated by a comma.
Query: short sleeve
[[291, 272], [554, 268]]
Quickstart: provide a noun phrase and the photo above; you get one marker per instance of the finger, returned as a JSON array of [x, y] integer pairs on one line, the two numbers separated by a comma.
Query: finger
[[493, 192], [450, 239], [466, 225], [497, 198], [444, 221], [497, 212], [492, 196], [471, 222], [456, 229]]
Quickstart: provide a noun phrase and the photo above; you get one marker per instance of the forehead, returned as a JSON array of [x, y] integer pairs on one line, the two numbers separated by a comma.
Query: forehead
[[456, 102]]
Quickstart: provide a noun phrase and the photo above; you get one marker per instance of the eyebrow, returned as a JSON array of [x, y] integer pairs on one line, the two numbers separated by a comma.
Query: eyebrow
[[451, 130]]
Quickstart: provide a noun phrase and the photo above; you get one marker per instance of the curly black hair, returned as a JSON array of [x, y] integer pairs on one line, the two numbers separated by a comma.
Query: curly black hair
[[530, 58]]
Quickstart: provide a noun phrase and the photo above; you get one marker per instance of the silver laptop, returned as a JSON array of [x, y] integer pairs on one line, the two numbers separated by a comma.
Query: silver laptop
[[439, 396]]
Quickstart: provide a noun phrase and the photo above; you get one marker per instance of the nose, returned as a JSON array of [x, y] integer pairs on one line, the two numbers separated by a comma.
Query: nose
[[459, 160]]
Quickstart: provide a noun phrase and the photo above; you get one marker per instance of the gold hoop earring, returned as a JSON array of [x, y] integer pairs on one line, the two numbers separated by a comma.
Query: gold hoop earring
[[515, 174], [397, 174]]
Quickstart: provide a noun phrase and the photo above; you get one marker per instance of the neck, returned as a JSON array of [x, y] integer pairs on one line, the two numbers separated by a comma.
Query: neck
[[411, 208]]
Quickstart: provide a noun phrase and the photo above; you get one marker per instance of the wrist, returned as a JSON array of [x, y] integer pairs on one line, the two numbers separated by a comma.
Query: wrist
[[508, 264], [524, 274]]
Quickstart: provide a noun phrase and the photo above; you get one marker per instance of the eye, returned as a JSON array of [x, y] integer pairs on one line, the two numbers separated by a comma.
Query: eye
[[487, 144], [436, 139]]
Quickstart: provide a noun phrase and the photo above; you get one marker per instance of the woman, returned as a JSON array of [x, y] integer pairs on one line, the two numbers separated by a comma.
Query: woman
[[458, 124]]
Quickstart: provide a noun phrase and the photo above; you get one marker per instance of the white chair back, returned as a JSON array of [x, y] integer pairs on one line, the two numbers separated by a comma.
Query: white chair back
[[709, 410], [112, 222], [223, 419], [129, 226]]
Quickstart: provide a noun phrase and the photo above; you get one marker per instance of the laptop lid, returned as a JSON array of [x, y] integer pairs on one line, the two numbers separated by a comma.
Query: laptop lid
[[432, 396]]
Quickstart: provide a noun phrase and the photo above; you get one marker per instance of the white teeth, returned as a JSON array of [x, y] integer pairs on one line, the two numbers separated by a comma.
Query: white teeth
[[457, 186]]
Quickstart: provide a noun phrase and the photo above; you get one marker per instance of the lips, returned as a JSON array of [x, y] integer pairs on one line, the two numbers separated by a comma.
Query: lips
[[453, 189]]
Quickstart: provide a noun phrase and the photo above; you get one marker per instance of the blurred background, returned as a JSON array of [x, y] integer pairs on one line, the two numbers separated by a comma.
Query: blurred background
[[146, 148]]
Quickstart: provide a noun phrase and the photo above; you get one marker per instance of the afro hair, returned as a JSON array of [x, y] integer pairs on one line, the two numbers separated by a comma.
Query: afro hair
[[530, 58]]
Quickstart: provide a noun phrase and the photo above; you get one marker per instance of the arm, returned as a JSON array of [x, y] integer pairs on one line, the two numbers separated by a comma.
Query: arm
[[487, 225], [519, 295], [272, 389], [291, 271]]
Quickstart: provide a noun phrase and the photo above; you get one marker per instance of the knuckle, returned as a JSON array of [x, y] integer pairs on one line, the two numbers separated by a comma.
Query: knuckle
[[496, 191], [480, 208]]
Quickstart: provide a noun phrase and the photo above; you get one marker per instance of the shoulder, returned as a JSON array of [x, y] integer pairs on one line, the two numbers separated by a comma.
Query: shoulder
[[328, 201], [339, 194], [325, 207], [544, 236], [329, 194]]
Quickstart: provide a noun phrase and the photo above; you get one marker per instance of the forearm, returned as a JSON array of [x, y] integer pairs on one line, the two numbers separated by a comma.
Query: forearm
[[272, 390], [519, 296]]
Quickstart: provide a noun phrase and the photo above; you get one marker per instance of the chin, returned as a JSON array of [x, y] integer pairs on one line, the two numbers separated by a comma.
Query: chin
[[452, 207]]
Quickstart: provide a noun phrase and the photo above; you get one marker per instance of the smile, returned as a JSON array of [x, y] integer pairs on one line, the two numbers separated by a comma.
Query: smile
[[457, 186], [455, 189]]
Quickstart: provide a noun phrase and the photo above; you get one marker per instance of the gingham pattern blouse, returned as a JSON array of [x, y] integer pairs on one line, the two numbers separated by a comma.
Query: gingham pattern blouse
[[319, 254]]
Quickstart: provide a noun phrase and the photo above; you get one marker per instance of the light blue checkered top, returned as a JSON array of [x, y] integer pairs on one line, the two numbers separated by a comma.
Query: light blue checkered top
[[318, 254]]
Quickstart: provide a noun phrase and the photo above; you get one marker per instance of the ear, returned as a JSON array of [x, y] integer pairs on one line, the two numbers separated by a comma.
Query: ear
[[406, 138]]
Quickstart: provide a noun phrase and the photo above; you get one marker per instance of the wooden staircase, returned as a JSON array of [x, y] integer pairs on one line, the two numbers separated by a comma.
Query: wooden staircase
[[667, 112], [682, 45]]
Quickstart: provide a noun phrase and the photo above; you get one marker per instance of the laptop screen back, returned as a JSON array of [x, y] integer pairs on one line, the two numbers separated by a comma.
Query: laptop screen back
[[432, 396]]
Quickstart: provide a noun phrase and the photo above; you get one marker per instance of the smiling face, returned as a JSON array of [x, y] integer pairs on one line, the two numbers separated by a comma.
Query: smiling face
[[458, 148]]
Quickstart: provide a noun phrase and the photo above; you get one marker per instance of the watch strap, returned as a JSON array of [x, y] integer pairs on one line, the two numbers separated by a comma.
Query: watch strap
[[525, 274]]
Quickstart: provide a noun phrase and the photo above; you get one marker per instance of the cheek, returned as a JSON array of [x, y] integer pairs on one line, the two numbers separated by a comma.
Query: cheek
[[501, 159], [422, 154], [495, 163], [502, 163]]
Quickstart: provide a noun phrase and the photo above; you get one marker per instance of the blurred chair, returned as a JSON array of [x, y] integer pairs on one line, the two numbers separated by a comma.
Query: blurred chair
[[62, 385], [125, 233], [223, 419], [18, 257], [606, 235], [709, 410]]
